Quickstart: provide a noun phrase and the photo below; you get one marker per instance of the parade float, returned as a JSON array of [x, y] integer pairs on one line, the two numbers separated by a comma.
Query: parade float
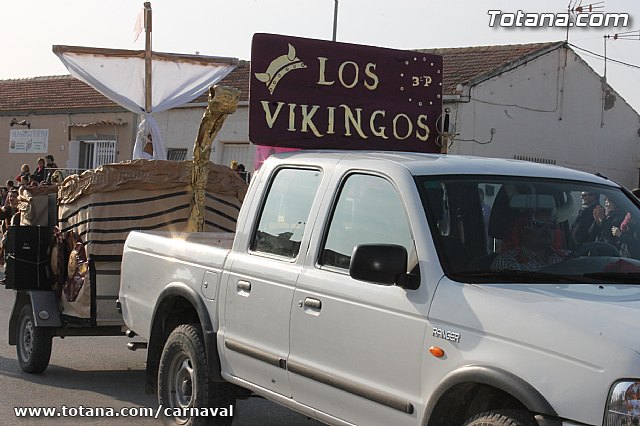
[[64, 258]]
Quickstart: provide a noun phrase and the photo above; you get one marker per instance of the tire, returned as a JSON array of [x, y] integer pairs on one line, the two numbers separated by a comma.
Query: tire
[[502, 418], [33, 344], [183, 380]]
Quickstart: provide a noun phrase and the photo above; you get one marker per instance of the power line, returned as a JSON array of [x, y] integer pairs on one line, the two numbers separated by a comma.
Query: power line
[[627, 35], [604, 57]]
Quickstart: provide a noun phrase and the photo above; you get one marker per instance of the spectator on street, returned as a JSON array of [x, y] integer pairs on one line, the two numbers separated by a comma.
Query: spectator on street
[[242, 172], [7, 214], [51, 164], [24, 177], [629, 233], [9, 210], [10, 187], [39, 175], [50, 167], [605, 220]]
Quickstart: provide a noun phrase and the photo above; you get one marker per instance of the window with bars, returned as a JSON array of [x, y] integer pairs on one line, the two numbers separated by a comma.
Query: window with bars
[[177, 154], [96, 153], [535, 159]]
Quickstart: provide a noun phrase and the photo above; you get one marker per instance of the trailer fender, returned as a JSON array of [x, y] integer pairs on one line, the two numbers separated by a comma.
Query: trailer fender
[[46, 312]]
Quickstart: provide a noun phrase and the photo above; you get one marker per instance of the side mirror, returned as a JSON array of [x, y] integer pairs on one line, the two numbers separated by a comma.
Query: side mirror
[[379, 263]]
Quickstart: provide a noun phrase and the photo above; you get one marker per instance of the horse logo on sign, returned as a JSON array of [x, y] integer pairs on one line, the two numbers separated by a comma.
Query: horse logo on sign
[[278, 68]]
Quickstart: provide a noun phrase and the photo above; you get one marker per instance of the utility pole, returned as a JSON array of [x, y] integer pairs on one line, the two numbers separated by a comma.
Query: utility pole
[[147, 57], [335, 20]]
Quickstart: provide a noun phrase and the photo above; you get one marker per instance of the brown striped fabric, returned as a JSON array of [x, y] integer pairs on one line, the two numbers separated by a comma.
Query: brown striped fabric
[[104, 205]]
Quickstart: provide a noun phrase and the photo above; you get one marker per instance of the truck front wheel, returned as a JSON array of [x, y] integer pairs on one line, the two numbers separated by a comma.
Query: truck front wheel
[[33, 344], [184, 389], [502, 418]]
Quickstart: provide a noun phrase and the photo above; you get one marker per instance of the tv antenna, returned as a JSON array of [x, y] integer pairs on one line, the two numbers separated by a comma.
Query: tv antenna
[[576, 7]]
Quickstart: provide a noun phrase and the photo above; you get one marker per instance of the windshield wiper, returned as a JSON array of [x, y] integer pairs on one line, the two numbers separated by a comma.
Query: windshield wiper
[[517, 275]]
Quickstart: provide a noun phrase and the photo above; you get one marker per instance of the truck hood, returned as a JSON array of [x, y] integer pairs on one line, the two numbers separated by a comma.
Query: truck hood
[[608, 312], [579, 321], [615, 305]]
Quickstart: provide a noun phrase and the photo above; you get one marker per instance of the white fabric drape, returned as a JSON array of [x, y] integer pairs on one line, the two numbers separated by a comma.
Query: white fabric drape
[[119, 75], [149, 126]]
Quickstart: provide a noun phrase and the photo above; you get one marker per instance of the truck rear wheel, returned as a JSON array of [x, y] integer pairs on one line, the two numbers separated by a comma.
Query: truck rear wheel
[[502, 418], [184, 388], [33, 344]]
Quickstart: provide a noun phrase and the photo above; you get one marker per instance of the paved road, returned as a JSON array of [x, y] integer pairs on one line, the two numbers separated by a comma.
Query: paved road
[[98, 372]]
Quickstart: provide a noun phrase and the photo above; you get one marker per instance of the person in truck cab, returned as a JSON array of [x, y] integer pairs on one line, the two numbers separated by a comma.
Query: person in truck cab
[[605, 219], [532, 242], [580, 228]]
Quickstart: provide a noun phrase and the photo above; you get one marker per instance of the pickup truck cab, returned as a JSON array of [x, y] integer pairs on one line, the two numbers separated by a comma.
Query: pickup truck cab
[[395, 288]]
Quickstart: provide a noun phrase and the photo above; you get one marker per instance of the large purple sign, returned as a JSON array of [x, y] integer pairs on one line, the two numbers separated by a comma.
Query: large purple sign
[[318, 94]]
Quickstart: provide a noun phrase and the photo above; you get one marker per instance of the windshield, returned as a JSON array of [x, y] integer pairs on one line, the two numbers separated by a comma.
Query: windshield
[[508, 229]]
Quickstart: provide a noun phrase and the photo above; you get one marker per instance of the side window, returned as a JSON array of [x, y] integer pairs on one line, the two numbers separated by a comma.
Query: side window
[[285, 212], [368, 210]]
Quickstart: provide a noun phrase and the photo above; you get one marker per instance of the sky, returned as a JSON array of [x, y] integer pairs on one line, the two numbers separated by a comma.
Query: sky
[[224, 28]]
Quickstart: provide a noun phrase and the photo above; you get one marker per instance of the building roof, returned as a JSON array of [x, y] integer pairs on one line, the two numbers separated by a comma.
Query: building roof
[[463, 65], [57, 93]]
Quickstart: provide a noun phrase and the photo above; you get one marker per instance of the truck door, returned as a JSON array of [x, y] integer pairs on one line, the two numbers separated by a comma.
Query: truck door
[[261, 281], [356, 347]]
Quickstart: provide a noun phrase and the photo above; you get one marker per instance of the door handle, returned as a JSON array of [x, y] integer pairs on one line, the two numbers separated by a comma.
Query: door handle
[[312, 303], [244, 286]]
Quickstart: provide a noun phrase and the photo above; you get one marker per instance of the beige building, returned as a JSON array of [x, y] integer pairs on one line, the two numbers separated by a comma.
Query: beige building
[[82, 129], [63, 117], [538, 102]]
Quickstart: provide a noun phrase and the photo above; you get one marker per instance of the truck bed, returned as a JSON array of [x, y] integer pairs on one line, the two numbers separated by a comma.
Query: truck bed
[[202, 256]]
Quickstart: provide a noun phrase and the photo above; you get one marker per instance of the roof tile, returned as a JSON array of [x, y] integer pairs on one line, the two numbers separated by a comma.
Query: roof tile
[[65, 93], [462, 64]]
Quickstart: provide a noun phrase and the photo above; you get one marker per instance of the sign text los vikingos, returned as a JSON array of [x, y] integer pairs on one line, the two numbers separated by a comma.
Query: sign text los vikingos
[[318, 94]]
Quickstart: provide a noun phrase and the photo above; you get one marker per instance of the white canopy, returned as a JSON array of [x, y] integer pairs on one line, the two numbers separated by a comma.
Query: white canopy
[[120, 76]]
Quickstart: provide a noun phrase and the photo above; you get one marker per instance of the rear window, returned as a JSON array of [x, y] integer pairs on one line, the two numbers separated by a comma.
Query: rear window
[[284, 215]]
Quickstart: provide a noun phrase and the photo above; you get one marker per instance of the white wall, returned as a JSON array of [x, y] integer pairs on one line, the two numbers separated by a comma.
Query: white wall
[[547, 110], [179, 128]]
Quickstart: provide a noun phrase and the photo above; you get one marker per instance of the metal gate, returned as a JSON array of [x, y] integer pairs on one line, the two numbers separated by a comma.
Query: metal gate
[[96, 153]]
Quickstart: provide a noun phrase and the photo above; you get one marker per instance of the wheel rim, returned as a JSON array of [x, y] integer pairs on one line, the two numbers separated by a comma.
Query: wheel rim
[[26, 339], [181, 384]]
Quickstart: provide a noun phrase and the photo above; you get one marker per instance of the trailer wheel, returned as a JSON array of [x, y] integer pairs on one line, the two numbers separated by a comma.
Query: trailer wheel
[[33, 344], [183, 381]]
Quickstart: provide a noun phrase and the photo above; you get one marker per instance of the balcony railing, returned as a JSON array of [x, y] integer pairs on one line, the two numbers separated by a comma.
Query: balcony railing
[[63, 172]]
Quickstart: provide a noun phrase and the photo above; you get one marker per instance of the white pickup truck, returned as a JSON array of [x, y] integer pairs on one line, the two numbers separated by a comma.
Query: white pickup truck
[[397, 289]]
